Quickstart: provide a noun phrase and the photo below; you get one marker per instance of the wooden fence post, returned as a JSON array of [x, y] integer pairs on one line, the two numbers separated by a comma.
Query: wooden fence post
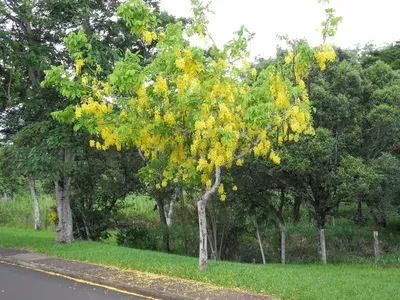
[[376, 248], [322, 245]]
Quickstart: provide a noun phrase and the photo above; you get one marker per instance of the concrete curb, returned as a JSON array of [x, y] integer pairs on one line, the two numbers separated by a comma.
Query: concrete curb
[[146, 293]]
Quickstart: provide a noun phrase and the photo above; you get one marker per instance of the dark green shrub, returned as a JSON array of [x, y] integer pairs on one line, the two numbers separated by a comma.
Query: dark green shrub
[[184, 240]]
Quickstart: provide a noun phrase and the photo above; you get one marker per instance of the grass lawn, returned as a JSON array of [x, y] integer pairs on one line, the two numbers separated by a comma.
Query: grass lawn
[[285, 281]]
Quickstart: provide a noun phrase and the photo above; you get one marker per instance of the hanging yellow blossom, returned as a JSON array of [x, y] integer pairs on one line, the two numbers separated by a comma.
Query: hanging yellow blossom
[[78, 66], [161, 86], [221, 189], [78, 112], [275, 158], [169, 118], [149, 37], [326, 54]]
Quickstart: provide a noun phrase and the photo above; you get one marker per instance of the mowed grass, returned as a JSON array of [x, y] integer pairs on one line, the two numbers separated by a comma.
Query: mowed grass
[[311, 281]]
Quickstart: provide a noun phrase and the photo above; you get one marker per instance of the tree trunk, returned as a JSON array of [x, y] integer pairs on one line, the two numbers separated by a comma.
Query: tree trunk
[[64, 228], [36, 208], [283, 243], [376, 248], [296, 210], [222, 240], [203, 254], [210, 243], [321, 232], [212, 231], [259, 241], [174, 199], [87, 231], [359, 211], [201, 211], [164, 224]]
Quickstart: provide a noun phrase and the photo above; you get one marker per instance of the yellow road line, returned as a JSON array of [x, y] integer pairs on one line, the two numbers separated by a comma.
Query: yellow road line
[[80, 280]]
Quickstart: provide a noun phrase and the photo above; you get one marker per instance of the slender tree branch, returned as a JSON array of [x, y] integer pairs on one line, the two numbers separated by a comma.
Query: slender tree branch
[[244, 153], [9, 96], [145, 160], [213, 189]]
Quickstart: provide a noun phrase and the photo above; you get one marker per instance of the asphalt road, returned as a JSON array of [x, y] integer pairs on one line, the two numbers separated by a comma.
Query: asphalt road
[[22, 284]]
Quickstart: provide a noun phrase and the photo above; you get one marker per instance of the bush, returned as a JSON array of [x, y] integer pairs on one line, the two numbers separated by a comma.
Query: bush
[[184, 240], [140, 238]]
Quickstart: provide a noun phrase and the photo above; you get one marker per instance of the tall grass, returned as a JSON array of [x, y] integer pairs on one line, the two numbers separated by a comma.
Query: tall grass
[[18, 211], [139, 207]]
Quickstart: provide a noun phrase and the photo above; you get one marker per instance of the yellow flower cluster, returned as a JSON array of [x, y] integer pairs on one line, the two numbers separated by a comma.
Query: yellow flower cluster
[[200, 31], [275, 158], [149, 36], [278, 91], [161, 86], [221, 192], [254, 73], [187, 63], [327, 54], [245, 65], [262, 148], [106, 88], [169, 118], [78, 112], [84, 81], [78, 66], [93, 107], [299, 120]]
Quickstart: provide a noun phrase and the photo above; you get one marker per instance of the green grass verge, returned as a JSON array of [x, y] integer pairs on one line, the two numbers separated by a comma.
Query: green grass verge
[[285, 281]]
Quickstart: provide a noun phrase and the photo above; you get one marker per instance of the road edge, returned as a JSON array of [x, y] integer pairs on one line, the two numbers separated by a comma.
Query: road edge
[[97, 281]]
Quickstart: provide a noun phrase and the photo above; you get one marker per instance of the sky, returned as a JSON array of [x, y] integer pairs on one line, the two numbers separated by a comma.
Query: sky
[[364, 21]]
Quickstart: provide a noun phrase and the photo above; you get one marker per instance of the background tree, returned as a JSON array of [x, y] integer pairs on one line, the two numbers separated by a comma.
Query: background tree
[[30, 46], [389, 54], [263, 195]]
